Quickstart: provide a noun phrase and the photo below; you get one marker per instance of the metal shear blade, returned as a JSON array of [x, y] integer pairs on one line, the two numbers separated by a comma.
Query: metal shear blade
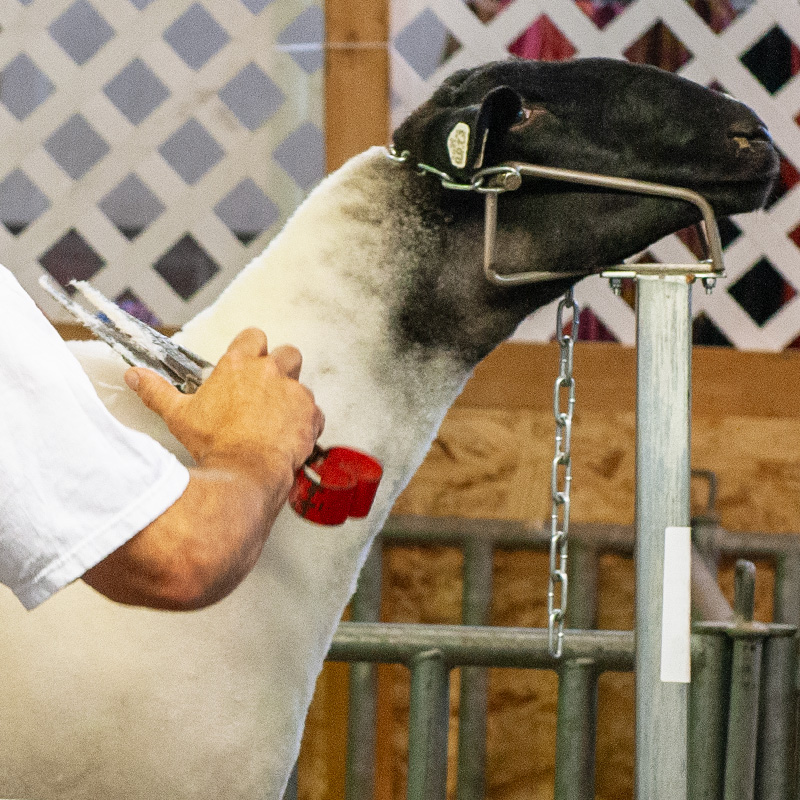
[[137, 343]]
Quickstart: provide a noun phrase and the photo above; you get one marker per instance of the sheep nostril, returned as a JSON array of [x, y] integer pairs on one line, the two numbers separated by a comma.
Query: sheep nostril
[[745, 133]]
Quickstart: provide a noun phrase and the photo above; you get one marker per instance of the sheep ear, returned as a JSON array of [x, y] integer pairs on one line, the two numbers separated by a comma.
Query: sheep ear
[[459, 141]]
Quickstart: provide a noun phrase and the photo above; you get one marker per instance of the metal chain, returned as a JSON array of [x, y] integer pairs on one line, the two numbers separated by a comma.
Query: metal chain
[[506, 179], [500, 179], [561, 477]]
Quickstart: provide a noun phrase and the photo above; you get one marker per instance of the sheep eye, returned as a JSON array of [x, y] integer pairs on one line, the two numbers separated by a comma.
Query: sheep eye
[[523, 115]]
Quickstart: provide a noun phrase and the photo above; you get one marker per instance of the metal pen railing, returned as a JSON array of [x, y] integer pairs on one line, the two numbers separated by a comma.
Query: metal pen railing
[[743, 673], [431, 651]]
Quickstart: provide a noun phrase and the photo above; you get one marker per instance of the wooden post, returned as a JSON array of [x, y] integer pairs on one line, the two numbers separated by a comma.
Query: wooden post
[[356, 78], [356, 117]]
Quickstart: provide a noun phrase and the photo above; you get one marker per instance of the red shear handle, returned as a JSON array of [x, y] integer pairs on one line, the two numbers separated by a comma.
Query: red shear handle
[[336, 484]]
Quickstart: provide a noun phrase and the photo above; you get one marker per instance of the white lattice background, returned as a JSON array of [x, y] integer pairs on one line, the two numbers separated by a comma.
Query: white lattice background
[[154, 145], [755, 41]]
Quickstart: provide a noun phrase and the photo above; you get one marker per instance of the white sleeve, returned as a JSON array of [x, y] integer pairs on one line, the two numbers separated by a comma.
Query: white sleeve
[[75, 484]]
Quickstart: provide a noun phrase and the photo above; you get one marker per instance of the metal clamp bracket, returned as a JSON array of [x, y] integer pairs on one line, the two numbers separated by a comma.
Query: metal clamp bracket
[[493, 181], [707, 269]]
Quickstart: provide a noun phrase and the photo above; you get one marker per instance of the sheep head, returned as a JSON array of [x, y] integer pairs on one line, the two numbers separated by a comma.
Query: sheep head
[[594, 115]]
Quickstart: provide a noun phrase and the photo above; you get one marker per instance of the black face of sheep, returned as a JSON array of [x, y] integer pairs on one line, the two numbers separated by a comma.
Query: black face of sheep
[[594, 115], [603, 116]]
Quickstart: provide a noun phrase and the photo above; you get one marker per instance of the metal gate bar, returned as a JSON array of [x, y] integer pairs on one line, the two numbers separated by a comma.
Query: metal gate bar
[[573, 778], [776, 767], [474, 689], [363, 686], [726, 698], [576, 718], [430, 651], [589, 541], [519, 648], [576, 730], [428, 724], [743, 719], [713, 541], [740, 753], [708, 699]]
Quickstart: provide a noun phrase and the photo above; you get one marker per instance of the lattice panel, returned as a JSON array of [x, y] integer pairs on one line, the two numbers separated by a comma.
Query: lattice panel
[[750, 48], [154, 146]]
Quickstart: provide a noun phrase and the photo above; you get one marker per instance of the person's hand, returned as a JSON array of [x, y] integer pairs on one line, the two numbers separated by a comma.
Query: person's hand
[[251, 414], [249, 427]]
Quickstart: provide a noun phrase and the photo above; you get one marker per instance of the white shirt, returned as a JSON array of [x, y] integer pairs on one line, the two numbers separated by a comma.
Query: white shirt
[[75, 484]]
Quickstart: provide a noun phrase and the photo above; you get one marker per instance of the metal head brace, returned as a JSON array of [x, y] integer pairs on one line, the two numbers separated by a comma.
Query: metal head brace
[[493, 181]]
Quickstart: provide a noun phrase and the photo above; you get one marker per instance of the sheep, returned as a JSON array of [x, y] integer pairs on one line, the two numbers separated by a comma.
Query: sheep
[[377, 278]]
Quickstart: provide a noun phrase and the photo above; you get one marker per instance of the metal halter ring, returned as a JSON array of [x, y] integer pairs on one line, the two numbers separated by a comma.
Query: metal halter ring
[[398, 158]]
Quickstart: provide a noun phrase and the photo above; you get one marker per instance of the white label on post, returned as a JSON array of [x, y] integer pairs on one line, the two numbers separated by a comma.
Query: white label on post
[[676, 606]]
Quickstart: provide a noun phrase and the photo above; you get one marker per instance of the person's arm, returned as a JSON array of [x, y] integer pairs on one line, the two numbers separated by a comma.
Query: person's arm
[[249, 428]]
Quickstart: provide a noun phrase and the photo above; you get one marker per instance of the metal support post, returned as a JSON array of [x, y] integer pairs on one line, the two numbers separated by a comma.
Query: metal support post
[[428, 722], [748, 640], [775, 766], [476, 605], [662, 503], [708, 709], [583, 566], [363, 687], [740, 756], [576, 730], [576, 725]]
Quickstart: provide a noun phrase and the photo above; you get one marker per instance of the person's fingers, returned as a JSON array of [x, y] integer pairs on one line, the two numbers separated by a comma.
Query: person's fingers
[[316, 424], [250, 342], [316, 420], [319, 422], [288, 360], [155, 392]]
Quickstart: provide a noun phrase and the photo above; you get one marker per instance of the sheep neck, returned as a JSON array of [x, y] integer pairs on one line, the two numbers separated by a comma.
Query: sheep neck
[[329, 283]]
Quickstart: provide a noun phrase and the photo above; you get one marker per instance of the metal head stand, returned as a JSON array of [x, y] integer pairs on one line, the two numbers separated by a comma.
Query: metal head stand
[[663, 533], [663, 406]]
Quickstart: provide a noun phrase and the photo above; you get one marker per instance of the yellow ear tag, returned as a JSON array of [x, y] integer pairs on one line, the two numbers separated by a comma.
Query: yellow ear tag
[[457, 145]]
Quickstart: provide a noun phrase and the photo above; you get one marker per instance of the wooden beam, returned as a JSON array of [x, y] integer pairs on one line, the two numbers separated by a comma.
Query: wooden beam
[[74, 330], [724, 381], [356, 78]]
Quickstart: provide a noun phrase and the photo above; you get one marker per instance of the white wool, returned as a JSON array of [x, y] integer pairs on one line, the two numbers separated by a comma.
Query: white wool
[[101, 700]]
